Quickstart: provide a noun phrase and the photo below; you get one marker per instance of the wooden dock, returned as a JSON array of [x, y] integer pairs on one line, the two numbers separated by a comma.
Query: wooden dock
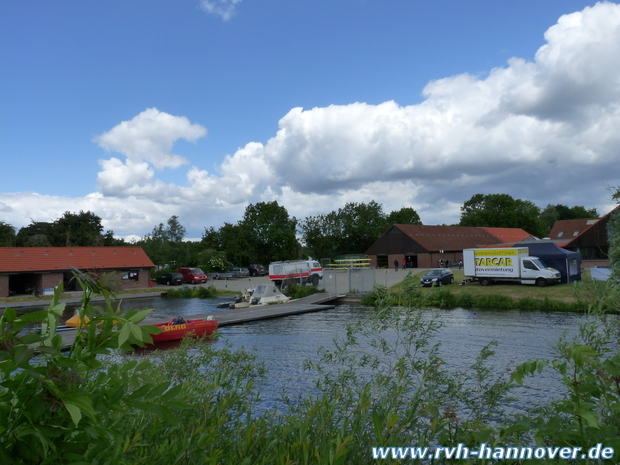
[[313, 303]]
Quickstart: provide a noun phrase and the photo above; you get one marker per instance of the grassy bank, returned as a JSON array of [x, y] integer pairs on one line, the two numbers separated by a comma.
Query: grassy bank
[[576, 297], [120, 294]]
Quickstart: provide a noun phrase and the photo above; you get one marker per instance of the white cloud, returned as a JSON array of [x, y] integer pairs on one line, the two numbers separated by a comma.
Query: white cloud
[[225, 9], [150, 136]]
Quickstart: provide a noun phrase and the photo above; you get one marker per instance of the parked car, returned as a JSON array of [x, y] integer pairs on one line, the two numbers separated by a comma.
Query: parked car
[[193, 275], [257, 270], [437, 277], [240, 272], [170, 279]]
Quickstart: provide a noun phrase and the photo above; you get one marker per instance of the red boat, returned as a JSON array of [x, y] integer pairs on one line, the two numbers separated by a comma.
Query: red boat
[[178, 328]]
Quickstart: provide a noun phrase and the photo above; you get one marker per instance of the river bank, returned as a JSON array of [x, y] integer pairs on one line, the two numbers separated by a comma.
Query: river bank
[[570, 296]]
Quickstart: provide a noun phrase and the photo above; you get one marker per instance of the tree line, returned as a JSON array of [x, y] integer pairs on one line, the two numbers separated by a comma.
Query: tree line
[[267, 232]]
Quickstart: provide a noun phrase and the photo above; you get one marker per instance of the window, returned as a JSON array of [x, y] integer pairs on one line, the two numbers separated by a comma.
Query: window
[[131, 275], [560, 234], [576, 233], [528, 265]]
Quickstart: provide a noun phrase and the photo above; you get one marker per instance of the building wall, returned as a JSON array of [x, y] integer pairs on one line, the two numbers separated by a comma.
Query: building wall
[[51, 280], [592, 263], [48, 281], [4, 286], [143, 281], [424, 260]]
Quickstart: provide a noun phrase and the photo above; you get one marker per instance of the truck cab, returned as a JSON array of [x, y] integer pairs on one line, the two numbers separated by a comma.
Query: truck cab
[[533, 271]]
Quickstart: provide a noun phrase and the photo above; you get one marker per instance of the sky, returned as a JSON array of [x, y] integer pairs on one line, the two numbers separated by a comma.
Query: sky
[[138, 110]]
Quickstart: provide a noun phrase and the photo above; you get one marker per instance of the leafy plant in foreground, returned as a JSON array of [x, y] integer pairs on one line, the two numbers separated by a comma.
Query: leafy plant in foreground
[[55, 403]]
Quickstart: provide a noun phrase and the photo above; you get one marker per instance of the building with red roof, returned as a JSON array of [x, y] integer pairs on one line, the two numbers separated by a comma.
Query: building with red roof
[[423, 246], [588, 236], [34, 269]]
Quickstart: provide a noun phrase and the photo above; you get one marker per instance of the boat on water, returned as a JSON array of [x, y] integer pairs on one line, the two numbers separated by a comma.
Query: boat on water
[[263, 294], [179, 328]]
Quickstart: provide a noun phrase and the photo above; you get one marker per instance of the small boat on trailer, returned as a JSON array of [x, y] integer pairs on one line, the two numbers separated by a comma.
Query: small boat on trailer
[[179, 328]]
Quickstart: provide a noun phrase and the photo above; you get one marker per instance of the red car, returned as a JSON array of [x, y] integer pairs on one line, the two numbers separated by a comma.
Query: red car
[[193, 275]]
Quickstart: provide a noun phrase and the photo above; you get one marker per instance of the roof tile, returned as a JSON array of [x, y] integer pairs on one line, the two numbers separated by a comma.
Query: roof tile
[[33, 259]]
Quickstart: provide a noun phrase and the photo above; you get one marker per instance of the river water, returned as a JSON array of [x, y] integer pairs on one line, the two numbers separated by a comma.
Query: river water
[[283, 344]]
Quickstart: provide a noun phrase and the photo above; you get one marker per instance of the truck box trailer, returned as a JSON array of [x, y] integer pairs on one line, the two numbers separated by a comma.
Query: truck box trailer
[[509, 264]]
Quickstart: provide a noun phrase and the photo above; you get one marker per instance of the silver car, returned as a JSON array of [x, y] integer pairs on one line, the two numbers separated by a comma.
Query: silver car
[[240, 272]]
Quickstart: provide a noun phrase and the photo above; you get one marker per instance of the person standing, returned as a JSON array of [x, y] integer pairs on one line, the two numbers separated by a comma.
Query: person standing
[[396, 264], [404, 263]]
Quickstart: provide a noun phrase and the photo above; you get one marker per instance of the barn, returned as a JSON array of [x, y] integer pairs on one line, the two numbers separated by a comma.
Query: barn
[[422, 246]]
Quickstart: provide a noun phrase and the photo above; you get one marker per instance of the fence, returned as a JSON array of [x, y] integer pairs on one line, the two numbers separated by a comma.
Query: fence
[[356, 281]]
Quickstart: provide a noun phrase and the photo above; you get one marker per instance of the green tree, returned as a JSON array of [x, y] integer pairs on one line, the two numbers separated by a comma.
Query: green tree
[[36, 234], [320, 235], [361, 224], [174, 231], [165, 246], [110, 241], [502, 211], [405, 215], [272, 232], [351, 229], [237, 243], [7, 235], [82, 229]]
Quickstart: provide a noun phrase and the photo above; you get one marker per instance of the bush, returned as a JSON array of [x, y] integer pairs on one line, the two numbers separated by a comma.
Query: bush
[[56, 406], [187, 292], [295, 290]]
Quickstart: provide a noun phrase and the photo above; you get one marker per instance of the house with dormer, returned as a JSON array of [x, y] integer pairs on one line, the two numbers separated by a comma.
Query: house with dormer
[[588, 236]]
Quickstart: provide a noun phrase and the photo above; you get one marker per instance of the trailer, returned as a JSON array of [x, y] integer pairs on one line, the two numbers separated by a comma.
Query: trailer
[[508, 264]]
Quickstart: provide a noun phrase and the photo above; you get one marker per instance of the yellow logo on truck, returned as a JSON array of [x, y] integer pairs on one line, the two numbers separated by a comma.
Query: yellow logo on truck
[[497, 257], [494, 261]]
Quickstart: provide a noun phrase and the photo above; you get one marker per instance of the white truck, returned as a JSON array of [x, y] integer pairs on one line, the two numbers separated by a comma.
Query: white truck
[[302, 271], [509, 264]]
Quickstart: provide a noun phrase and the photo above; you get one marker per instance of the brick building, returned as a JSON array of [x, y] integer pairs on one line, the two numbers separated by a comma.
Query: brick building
[[423, 246], [33, 269], [589, 237]]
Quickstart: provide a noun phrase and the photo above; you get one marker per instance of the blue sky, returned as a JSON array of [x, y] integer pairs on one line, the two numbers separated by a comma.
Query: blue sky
[[140, 110]]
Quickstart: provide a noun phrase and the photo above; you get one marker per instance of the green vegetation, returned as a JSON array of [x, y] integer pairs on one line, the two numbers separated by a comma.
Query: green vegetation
[[383, 384], [575, 297], [62, 407], [267, 233], [82, 229], [503, 211], [297, 291], [351, 229], [186, 292]]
